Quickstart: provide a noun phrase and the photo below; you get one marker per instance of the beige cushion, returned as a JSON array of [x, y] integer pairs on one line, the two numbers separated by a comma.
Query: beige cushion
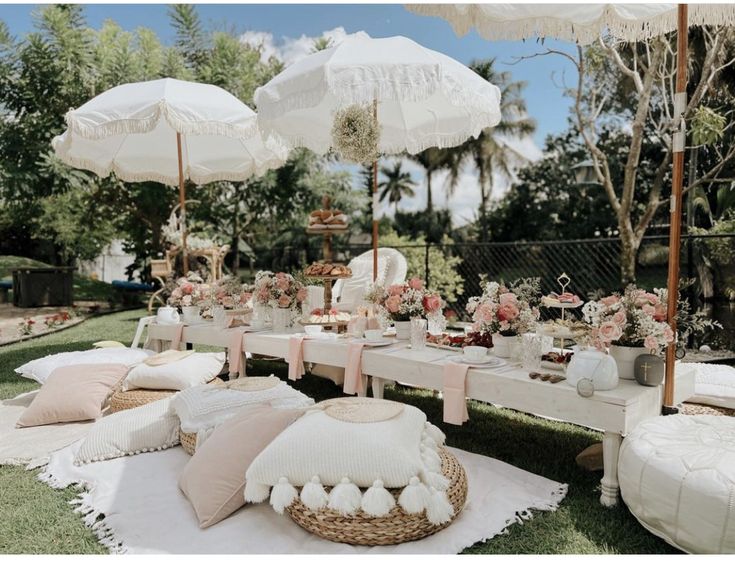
[[195, 369], [73, 393], [214, 479]]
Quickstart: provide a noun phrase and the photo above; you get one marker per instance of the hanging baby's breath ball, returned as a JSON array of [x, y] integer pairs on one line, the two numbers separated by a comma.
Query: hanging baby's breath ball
[[355, 134]]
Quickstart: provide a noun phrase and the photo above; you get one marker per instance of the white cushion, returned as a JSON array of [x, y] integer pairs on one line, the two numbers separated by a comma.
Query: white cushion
[[204, 407], [677, 476], [713, 384], [319, 445], [352, 291], [196, 369], [144, 429], [39, 369]]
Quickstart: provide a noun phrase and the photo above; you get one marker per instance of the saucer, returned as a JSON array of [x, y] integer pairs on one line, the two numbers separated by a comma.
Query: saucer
[[488, 361], [378, 344]]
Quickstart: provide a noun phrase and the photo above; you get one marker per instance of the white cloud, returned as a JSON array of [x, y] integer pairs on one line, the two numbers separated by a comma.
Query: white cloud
[[287, 49]]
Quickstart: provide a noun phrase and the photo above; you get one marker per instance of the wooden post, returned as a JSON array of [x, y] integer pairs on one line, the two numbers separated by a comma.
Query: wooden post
[[375, 203], [676, 199], [182, 205]]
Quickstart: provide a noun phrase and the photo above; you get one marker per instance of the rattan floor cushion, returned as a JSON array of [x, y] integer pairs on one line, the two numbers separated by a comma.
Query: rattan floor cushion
[[396, 527], [188, 441]]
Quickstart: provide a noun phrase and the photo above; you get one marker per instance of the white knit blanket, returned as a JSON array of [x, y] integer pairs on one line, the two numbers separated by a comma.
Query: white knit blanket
[[145, 512], [203, 407], [33, 445]]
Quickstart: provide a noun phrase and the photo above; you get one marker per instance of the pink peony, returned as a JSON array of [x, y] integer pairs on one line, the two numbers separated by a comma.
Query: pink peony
[[432, 303], [610, 300], [650, 343], [186, 300], [648, 309], [485, 312], [187, 288], [245, 297], [416, 283], [668, 335], [284, 301], [301, 295], [393, 303], [282, 283], [609, 332], [508, 298], [619, 318], [395, 290], [263, 295], [508, 312], [659, 313]]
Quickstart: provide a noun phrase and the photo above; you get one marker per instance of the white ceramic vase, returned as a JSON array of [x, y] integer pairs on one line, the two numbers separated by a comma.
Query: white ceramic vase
[[190, 313], [281, 320], [505, 346], [403, 330], [625, 359]]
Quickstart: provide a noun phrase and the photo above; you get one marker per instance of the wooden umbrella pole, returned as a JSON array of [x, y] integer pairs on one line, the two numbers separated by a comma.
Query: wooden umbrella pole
[[182, 205], [375, 203], [676, 200]]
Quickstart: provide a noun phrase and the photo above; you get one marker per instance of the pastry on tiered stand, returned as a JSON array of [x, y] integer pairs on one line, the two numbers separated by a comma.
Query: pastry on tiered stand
[[327, 219], [326, 269], [330, 318], [562, 328]]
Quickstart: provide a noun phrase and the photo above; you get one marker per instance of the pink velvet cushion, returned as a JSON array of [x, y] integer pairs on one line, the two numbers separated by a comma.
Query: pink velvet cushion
[[214, 478], [73, 393]]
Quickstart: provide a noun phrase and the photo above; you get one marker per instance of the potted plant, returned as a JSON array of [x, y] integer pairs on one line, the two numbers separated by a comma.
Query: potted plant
[[506, 312], [282, 294], [628, 325], [405, 301]]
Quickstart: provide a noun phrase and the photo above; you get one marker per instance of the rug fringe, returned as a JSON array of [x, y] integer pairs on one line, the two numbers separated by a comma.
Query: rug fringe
[[92, 518]]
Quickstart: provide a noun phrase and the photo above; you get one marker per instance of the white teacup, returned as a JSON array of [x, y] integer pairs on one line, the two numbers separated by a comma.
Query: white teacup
[[373, 335], [167, 315], [474, 353], [313, 329]]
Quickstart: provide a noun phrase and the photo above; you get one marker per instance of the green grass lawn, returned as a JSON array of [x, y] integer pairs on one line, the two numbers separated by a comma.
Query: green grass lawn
[[35, 518]]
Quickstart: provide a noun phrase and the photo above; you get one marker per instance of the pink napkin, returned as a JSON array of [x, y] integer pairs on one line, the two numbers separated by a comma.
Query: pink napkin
[[295, 357], [353, 370], [178, 333], [235, 349], [455, 404]]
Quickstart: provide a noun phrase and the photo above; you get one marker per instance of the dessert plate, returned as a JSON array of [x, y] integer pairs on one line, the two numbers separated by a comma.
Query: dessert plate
[[489, 361]]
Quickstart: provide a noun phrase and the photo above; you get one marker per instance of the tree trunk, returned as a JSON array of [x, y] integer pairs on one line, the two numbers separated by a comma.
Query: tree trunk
[[629, 246], [483, 213], [429, 201], [235, 243]]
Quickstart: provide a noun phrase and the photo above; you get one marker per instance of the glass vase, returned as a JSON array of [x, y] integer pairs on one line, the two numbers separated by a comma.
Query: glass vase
[[281, 320]]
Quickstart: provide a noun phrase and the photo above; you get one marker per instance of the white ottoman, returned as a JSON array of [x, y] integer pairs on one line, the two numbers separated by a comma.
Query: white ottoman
[[677, 476]]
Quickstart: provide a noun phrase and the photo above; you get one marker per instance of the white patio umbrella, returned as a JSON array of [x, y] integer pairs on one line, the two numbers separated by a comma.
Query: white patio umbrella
[[584, 23], [421, 98], [167, 131]]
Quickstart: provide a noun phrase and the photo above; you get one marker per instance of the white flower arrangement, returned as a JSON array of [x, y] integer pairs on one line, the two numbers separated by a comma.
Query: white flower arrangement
[[509, 311], [355, 134]]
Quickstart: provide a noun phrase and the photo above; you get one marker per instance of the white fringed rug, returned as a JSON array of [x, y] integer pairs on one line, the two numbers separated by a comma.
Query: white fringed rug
[[145, 512]]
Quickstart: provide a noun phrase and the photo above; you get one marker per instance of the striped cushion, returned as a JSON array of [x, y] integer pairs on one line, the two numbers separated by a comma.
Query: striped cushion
[[144, 429]]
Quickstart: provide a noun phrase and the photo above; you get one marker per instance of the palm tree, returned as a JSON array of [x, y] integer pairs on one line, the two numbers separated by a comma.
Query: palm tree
[[490, 152], [397, 183], [433, 160]]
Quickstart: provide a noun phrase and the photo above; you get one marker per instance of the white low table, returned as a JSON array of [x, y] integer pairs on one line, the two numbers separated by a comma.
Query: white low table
[[614, 412]]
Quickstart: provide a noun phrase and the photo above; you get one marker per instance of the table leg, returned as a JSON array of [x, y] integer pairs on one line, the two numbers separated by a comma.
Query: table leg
[[378, 385], [610, 453]]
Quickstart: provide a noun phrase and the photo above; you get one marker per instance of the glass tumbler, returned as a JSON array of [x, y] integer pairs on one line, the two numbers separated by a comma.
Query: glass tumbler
[[532, 350], [418, 334]]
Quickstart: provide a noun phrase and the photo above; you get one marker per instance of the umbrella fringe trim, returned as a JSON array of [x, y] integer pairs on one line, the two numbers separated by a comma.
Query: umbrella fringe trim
[[128, 176], [147, 124], [620, 28]]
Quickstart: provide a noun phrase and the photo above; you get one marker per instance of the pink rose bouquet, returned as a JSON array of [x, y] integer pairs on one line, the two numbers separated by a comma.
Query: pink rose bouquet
[[404, 301], [504, 310], [231, 293], [278, 290], [636, 318], [190, 290]]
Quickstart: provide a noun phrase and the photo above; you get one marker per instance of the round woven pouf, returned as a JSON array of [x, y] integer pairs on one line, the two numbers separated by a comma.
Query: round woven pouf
[[188, 441], [123, 400], [396, 527], [677, 476]]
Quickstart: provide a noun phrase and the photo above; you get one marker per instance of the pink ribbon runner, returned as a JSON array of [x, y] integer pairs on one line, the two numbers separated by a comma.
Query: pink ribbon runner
[[353, 370], [455, 404], [235, 350], [178, 334], [295, 357]]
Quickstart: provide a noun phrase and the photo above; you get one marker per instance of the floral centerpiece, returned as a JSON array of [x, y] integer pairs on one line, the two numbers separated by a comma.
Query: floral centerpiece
[[405, 301], [191, 294], [629, 325], [282, 293], [230, 293], [505, 312]]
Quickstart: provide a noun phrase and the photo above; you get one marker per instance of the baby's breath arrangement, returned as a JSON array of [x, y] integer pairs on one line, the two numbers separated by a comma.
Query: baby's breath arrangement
[[355, 134]]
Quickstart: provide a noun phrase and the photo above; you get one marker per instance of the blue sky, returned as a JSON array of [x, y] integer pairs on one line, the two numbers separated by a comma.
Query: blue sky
[[286, 30]]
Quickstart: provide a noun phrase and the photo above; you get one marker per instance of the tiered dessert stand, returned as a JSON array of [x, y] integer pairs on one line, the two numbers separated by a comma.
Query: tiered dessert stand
[[561, 333], [327, 253]]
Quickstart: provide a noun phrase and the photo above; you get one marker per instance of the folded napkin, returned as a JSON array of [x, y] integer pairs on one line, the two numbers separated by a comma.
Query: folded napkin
[[455, 404], [235, 350], [295, 357], [178, 334], [353, 371], [167, 357]]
